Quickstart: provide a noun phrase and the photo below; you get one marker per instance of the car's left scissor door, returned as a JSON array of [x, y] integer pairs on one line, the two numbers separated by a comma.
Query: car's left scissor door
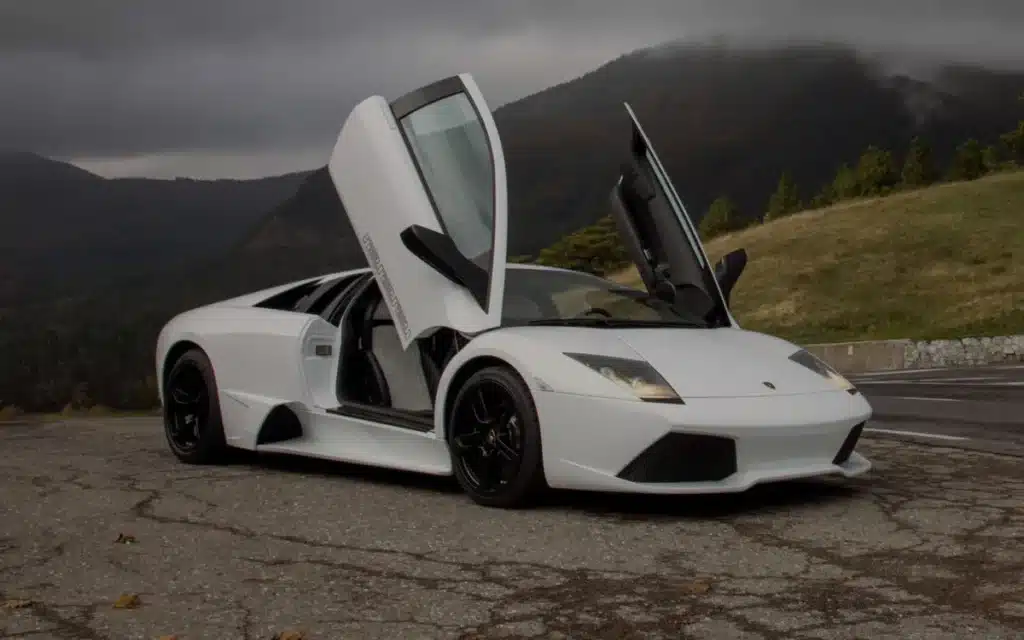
[[422, 180]]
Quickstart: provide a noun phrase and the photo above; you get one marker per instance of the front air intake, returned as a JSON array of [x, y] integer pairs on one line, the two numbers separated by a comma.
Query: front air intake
[[683, 457], [848, 445]]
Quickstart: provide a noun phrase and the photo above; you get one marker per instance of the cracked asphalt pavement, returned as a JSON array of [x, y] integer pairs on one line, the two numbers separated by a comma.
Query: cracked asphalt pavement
[[928, 545]]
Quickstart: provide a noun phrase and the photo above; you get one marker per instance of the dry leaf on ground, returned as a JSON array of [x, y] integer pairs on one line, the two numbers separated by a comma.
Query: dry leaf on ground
[[127, 601], [696, 587], [125, 539], [15, 603]]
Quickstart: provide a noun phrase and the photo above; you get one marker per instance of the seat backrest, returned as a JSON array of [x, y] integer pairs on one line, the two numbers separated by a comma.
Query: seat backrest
[[403, 369]]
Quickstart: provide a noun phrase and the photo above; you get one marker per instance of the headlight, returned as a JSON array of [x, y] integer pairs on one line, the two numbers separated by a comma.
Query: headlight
[[636, 376], [809, 360]]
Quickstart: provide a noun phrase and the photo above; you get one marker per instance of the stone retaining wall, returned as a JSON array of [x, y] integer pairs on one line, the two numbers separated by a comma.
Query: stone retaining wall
[[963, 352], [881, 355]]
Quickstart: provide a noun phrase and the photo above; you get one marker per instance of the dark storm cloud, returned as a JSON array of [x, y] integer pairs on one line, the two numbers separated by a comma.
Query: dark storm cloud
[[254, 78]]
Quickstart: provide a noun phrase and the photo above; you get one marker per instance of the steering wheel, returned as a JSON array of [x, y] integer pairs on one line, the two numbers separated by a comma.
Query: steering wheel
[[598, 311]]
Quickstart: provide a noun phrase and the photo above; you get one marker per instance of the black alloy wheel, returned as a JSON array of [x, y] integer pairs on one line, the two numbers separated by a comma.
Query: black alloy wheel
[[494, 437], [192, 420]]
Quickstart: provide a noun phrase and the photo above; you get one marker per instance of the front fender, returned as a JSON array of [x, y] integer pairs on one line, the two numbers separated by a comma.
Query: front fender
[[540, 362]]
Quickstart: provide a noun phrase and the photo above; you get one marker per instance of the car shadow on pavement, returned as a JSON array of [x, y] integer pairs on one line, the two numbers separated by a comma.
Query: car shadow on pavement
[[619, 506], [349, 471], [758, 499]]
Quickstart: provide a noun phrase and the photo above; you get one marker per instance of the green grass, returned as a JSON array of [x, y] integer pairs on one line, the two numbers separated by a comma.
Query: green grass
[[941, 262]]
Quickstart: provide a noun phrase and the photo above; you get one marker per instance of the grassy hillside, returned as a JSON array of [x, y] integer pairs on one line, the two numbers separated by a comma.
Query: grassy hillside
[[945, 261]]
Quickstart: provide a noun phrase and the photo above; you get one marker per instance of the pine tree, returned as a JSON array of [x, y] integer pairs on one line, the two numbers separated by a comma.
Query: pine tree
[[994, 158], [845, 185], [722, 217], [1014, 143], [785, 200]]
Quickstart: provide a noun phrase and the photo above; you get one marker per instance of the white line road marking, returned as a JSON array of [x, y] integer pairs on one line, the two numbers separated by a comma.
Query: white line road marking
[[974, 378], [916, 434], [946, 383]]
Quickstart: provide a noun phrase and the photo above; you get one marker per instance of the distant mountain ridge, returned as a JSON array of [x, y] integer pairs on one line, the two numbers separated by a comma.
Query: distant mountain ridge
[[64, 229]]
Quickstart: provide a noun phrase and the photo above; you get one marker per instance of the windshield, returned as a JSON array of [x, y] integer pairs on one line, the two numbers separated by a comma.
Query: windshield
[[550, 296]]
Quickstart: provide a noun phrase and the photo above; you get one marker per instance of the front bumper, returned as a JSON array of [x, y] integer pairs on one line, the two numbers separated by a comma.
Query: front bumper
[[708, 445]]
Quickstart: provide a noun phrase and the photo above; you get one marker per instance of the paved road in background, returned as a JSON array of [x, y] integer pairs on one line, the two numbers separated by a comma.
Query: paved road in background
[[982, 406], [928, 546]]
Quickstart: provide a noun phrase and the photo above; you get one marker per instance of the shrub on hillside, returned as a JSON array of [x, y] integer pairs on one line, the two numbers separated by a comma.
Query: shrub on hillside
[[722, 217], [918, 166], [595, 249], [969, 162], [875, 172]]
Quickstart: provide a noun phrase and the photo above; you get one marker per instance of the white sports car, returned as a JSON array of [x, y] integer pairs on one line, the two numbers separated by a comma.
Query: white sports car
[[441, 358]]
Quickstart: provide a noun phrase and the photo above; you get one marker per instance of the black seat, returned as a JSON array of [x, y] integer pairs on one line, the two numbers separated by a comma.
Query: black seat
[[362, 378]]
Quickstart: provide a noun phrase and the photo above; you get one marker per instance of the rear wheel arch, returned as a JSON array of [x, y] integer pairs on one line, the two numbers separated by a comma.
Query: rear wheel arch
[[201, 412], [177, 350]]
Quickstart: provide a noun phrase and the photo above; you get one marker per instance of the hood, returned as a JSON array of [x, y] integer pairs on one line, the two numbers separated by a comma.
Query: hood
[[707, 363], [697, 363]]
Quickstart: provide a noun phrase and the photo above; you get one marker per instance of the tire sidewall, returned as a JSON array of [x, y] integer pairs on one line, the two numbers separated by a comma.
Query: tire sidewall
[[530, 477], [211, 442]]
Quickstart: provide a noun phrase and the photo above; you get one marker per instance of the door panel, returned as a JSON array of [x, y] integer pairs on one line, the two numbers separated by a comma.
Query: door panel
[[660, 235], [423, 182]]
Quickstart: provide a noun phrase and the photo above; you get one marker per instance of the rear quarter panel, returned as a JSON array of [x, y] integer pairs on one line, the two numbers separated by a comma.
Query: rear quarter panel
[[256, 360]]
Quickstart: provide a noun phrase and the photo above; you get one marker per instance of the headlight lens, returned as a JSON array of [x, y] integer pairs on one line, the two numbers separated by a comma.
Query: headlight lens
[[809, 360], [636, 376]]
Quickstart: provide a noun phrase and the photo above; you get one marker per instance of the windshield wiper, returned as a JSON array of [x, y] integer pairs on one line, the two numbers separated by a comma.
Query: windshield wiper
[[615, 323]]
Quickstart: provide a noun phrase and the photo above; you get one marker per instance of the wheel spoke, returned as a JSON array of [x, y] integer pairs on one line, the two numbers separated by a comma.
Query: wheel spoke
[[183, 398], [505, 451], [467, 441], [493, 473]]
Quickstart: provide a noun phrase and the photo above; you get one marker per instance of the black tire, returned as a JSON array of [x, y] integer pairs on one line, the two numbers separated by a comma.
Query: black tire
[[192, 420], [481, 442]]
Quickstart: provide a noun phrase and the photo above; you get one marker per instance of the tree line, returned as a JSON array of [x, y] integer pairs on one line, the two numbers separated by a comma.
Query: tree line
[[876, 173]]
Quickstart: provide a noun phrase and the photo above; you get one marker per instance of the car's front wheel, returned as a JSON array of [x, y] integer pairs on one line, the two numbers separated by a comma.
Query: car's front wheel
[[192, 418], [494, 438]]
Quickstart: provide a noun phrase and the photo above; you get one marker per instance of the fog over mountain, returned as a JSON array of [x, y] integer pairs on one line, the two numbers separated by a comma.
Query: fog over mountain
[[227, 88]]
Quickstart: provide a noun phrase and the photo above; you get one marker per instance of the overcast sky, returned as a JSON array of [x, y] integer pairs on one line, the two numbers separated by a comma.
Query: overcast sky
[[214, 88]]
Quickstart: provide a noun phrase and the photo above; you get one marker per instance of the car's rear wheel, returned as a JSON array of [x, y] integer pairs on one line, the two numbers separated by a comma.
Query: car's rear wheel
[[494, 438], [192, 418]]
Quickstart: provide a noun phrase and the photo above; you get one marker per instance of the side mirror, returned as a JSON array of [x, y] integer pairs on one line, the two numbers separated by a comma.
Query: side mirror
[[729, 269], [440, 253], [665, 290]]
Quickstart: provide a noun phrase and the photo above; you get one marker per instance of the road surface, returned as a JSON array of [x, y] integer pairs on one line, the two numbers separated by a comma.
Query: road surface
[[927, 546], [980, 407]]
